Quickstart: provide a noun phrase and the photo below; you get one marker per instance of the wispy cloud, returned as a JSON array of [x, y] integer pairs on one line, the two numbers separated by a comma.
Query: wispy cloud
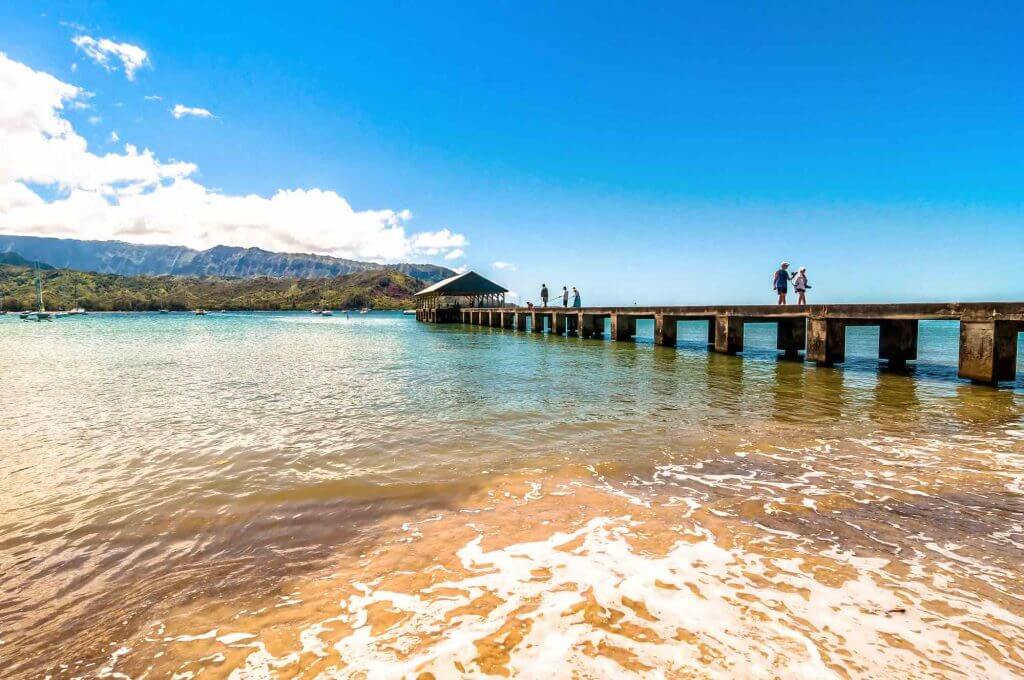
[[108, 53], [95, 120], [114, 137], [505, 266], [153, 98], [455, 254], [180, 111]]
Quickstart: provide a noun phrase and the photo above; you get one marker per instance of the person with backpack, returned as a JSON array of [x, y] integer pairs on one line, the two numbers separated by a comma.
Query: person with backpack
[[780, 282]]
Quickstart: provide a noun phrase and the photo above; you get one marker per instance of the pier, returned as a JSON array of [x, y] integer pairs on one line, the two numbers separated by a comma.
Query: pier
[[814, 333]]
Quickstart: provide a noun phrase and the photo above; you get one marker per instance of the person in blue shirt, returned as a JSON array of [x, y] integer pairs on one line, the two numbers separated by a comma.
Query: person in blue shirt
[[780, 282]]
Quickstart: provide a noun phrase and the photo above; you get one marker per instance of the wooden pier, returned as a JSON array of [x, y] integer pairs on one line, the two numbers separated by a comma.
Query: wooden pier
[[816, 333]]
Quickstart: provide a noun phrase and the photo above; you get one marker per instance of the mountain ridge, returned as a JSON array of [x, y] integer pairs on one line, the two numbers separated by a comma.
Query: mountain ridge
[[134, 259]]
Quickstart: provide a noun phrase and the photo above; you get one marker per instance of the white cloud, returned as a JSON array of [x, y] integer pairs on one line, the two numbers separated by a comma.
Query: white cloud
[[136, 197], [180, 111], [436, 242], [132, 57], [114, 137], [153, 98], [505, 266], [95, 120], [74, 67], [455, 254]]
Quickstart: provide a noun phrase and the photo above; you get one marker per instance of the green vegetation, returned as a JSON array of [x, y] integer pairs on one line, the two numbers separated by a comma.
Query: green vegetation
[[65, 289]]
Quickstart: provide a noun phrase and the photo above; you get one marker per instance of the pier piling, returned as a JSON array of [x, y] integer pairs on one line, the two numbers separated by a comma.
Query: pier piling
[[623, 327], [988, 350], [728, 334]]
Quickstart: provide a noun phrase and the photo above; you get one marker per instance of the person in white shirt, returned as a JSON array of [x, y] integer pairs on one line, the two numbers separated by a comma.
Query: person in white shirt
[[800, 285]]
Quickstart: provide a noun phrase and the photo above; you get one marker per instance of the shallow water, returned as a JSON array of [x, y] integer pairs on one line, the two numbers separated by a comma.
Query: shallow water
[[372, 497]]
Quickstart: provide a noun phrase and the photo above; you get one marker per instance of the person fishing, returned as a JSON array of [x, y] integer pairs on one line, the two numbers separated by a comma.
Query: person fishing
[[543, 295], [780, 282], [576, 303], [565, 296], [800, 285]]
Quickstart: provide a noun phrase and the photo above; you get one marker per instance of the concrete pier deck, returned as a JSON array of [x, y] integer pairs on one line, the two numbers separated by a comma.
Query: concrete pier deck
[[817, 333]]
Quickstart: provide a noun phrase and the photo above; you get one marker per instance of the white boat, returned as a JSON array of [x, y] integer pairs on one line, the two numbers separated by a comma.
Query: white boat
[[327, 312], [165, 311], [200, 312], [364, 310], [409, 312]]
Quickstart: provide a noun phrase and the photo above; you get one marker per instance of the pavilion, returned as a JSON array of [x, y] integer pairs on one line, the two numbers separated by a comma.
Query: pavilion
[[441, 302]]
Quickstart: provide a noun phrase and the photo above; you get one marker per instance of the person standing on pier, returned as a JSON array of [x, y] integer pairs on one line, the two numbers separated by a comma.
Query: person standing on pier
[[800, 285], [576, 303], [780, 282], [565, 296], [543, 295]]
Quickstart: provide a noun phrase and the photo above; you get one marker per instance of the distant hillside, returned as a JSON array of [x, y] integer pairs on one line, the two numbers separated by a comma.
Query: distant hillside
[[64, 289], [18, 260], [130, 259]]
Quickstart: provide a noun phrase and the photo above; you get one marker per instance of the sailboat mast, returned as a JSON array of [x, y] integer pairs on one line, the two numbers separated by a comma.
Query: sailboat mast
[[39, 290]]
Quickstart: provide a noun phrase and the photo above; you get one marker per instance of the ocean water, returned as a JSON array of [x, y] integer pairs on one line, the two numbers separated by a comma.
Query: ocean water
[[283, 495]]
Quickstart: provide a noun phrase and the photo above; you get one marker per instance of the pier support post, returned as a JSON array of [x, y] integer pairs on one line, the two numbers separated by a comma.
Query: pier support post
[[623, 327], [557, 323], [536, 322], [988, 350], [665, 330], [507, 319], [826, 341], [711, 332], [485, 319], [792, 337], [591, 325], [520, 321], [572, 324], [897, 341], [728, 334]]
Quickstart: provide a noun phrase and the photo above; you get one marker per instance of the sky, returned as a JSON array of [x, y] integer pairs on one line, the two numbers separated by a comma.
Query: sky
[[653, 153]]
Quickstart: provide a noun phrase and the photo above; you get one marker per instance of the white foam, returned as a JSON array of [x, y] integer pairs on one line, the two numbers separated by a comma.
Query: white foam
[[760, 616]]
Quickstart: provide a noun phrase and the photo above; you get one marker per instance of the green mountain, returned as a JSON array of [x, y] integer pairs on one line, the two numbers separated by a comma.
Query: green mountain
[[19, 261], [65, 289], [131, 259]]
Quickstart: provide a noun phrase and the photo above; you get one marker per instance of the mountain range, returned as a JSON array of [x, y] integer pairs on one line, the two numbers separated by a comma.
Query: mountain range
[[132, 259]]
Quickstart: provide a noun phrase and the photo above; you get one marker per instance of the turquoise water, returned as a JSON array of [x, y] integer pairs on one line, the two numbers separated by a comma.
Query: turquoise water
[[149, 461]]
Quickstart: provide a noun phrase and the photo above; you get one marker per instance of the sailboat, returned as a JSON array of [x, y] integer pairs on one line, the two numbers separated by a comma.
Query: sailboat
[[78, 309], [40, 314]]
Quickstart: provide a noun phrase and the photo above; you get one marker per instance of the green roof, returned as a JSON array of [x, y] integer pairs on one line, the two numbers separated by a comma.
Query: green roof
[[469, 283]]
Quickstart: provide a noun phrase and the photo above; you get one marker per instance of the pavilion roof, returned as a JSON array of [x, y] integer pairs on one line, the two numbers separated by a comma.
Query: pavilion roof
[[467, 283]]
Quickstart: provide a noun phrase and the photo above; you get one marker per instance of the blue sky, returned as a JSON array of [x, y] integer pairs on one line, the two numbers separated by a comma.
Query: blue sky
[[663, 153]]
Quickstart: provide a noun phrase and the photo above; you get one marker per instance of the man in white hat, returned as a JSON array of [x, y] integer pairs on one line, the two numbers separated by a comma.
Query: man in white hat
[[780, 282]]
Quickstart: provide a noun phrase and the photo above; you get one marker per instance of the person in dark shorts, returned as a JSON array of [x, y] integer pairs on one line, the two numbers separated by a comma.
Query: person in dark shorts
[[565, 296], [543, 295], [780, 282]]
